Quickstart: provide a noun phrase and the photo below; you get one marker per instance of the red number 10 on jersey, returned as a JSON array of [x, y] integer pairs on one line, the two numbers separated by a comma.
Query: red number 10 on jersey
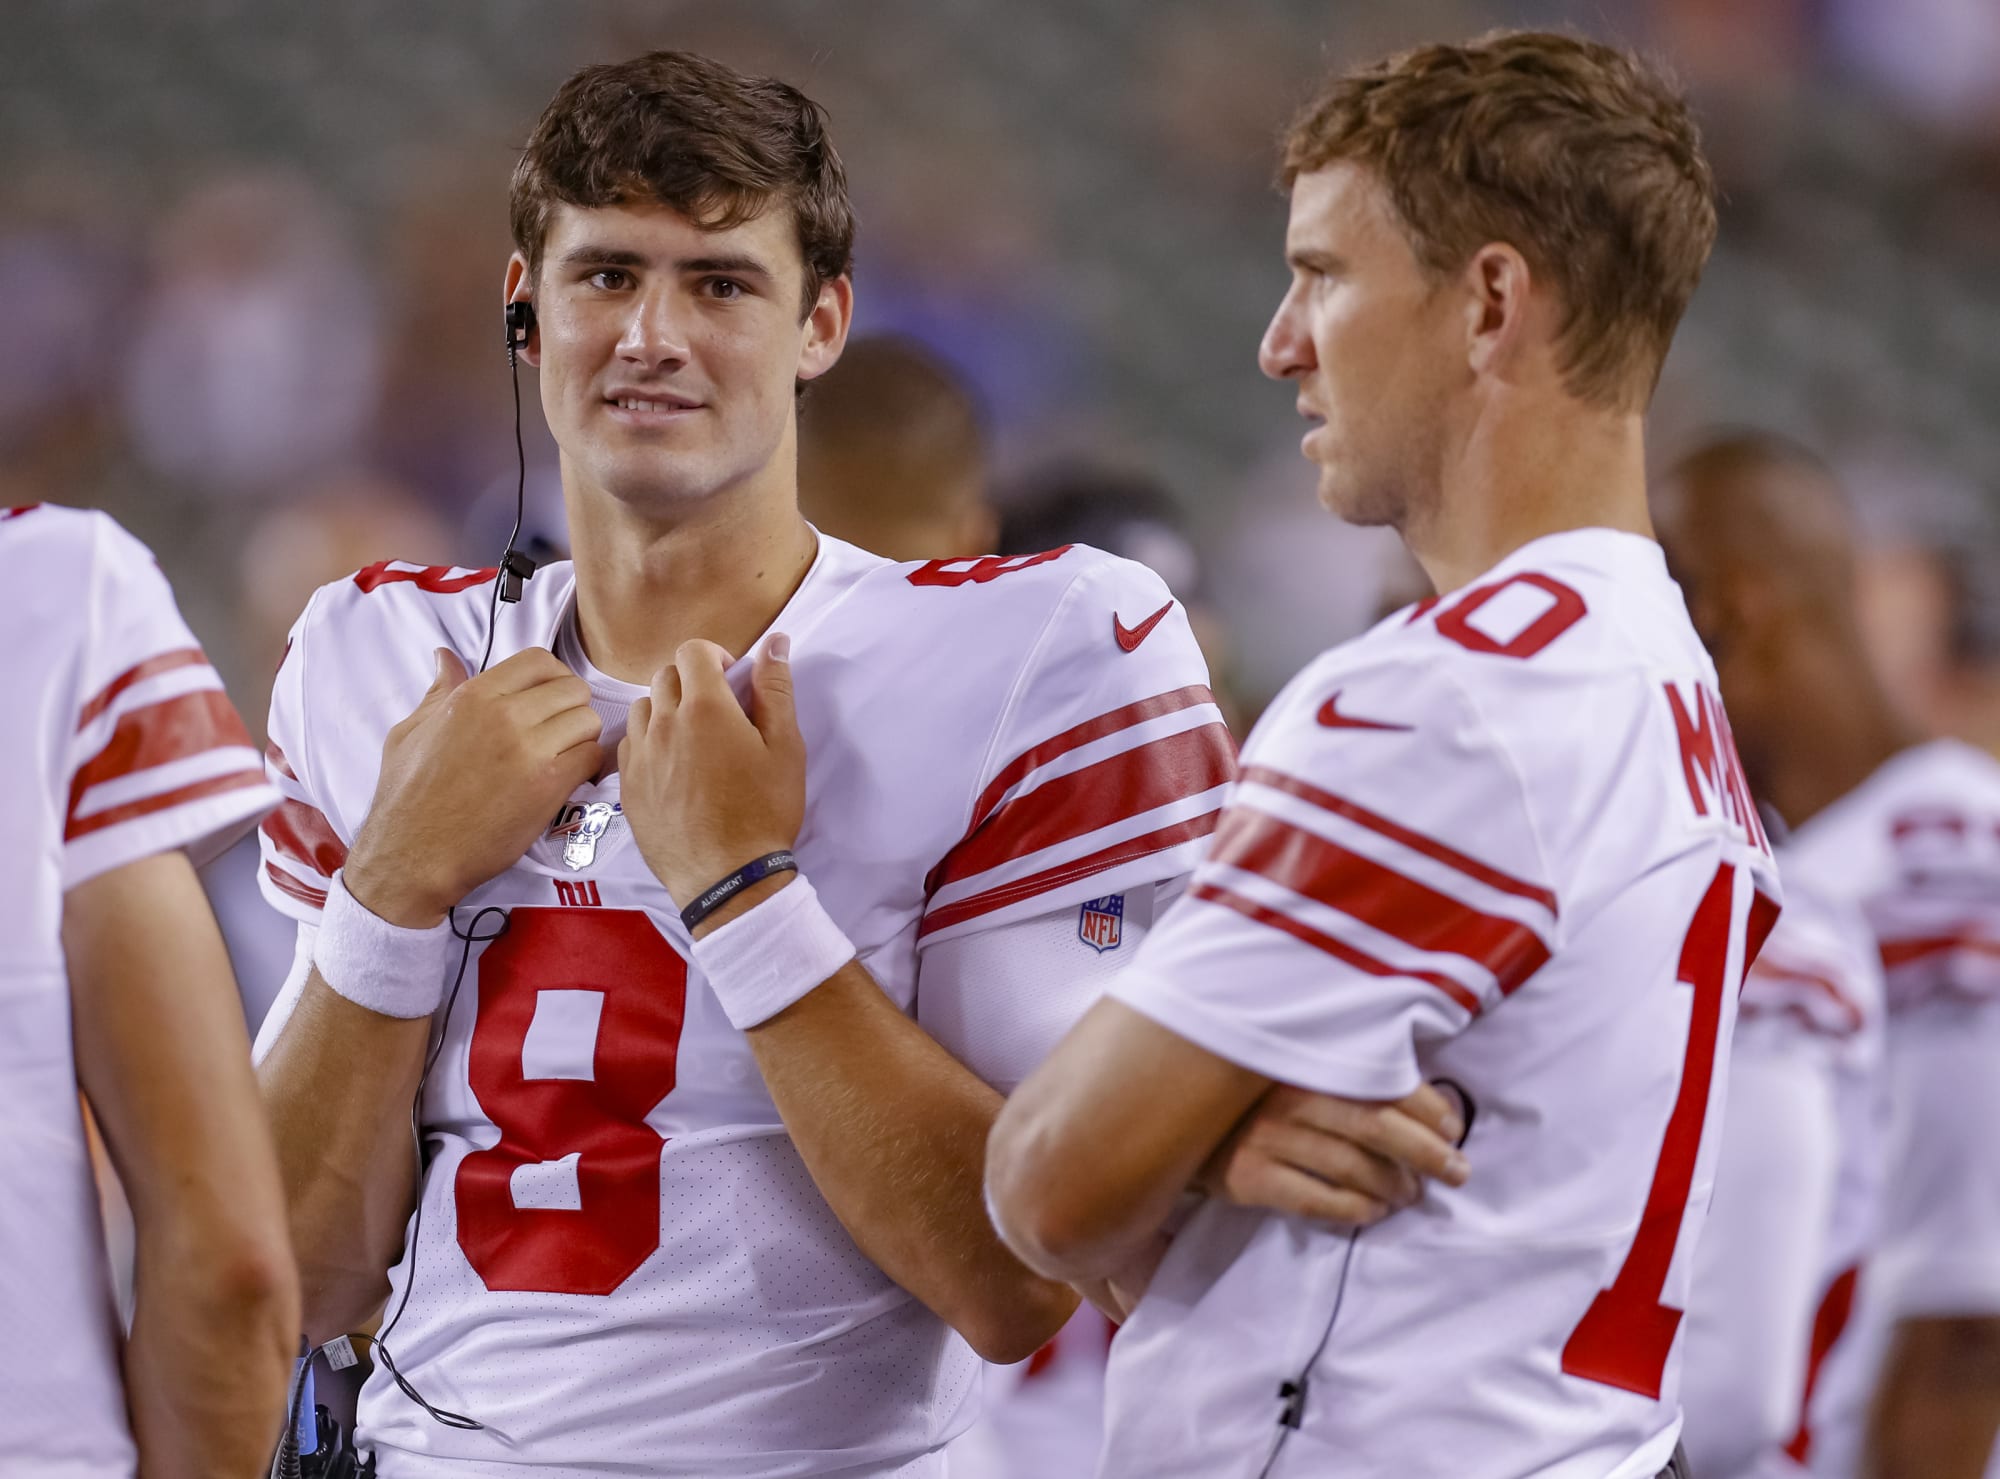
[[1627, 1334]]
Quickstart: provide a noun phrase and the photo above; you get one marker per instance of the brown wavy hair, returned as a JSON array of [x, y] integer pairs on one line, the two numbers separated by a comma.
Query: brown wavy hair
[[688, 132], [1578, 155]]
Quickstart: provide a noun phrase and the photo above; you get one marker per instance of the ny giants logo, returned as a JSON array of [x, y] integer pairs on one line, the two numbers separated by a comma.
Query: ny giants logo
[[1710, 765], [580, 894]]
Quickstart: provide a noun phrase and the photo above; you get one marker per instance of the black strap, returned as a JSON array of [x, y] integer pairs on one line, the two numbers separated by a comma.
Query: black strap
[[755, 871]]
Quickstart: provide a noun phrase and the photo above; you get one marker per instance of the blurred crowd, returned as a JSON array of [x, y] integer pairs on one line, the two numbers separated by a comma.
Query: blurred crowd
[[252, 263]]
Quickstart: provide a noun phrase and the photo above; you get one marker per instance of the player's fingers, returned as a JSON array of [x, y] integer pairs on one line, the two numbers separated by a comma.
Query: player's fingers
[[1381, 1128], [704, 672], [580, 762], [565, 729], [774, 712], [637, 719], [1434, 1109], [542, 701], [666, 692], [1339, 1163], [450, 673], [523, 669], [1419, 1147], [1283, 1189]]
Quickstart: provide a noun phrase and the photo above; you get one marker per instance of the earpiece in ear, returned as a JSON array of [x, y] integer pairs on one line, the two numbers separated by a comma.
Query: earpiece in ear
[[520, 324]]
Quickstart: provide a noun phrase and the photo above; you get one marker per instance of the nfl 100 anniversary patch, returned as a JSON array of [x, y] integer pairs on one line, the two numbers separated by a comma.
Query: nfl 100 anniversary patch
[[1100, 923], [581, 827]]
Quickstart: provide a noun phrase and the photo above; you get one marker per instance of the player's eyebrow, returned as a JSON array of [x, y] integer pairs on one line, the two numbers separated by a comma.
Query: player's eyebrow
[[733, 266], [589, 255]]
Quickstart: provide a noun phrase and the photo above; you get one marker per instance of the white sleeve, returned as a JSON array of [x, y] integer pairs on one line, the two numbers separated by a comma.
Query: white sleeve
[[1000, 999], [288, 994], [158, 757], [1106, 771], [1367, 891]]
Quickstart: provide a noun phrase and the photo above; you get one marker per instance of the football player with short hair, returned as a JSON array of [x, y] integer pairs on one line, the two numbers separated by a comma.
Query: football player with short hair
[[127, 765], [1501, 839], [1905, 832], [719, 1029]]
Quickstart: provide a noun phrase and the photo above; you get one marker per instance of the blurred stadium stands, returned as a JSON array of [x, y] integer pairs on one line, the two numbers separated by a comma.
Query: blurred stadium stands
[[252, 253]]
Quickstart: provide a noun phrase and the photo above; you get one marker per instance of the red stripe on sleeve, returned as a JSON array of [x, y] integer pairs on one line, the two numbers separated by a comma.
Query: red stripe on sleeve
[[1768, 969], [173, 729], [302, 834], [111, 816], [1430, 847], [164, 662], [278, 761], [1051, 878], [1082, 734], [1379, 897], [1903, 952], [1338, 949], [1120, 786], [304, 893]]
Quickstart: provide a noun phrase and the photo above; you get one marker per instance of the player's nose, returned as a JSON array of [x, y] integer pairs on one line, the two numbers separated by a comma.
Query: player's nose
[[655, 334], [1286, 349]]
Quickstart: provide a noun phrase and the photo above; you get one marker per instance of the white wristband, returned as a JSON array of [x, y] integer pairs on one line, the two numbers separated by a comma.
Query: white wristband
[[378, 965], [772, 954]]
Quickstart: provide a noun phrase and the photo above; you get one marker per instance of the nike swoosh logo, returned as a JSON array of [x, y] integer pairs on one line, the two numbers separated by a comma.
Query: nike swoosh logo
[[1129, 638], [1332, 718]]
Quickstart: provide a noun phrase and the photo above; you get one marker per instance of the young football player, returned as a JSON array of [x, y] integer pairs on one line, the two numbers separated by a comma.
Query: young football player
[[1501, 839], [721, 1024]]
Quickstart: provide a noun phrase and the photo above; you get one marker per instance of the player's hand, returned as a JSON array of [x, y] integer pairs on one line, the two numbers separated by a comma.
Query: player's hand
[[1350, 1162], [469, 780], [706, 787]]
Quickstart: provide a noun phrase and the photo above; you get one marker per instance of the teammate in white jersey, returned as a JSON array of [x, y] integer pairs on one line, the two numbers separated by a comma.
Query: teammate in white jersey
[[700, 1196], [126, 765], [1907, 834], [1502, 839]]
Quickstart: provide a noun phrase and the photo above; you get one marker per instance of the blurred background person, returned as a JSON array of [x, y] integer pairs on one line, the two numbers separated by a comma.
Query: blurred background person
[[1905, 829], [892, 455], [1799, 1178]]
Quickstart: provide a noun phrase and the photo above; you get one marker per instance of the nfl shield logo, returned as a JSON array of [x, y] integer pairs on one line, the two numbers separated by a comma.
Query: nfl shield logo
[[1100, 923]]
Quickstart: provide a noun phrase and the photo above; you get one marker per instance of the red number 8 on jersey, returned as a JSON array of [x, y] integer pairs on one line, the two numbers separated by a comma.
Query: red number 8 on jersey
[[585, 1226]]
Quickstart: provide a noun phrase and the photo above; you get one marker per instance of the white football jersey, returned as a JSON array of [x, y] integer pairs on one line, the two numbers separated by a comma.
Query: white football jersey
[[120, 744], [623, 1265], [1916, 847], [1043, 1416], [1796, 1189], [1502, 840]]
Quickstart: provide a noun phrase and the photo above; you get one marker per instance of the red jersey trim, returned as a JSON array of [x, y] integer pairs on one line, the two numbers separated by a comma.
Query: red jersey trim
[[173, 729], [277, 760], [1114, 789], [1379, 897], [302, 835], [1339, 949], [1828, 1324], [1277, 780], [1896, 953], [1159, 840], [303, 892], [1080, 735], [1773, 970], [147, 805], [164, 662]]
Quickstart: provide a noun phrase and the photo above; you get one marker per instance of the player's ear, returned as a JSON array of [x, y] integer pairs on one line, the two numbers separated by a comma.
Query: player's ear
[[824, 332], [516, 287], [1497, 307]]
